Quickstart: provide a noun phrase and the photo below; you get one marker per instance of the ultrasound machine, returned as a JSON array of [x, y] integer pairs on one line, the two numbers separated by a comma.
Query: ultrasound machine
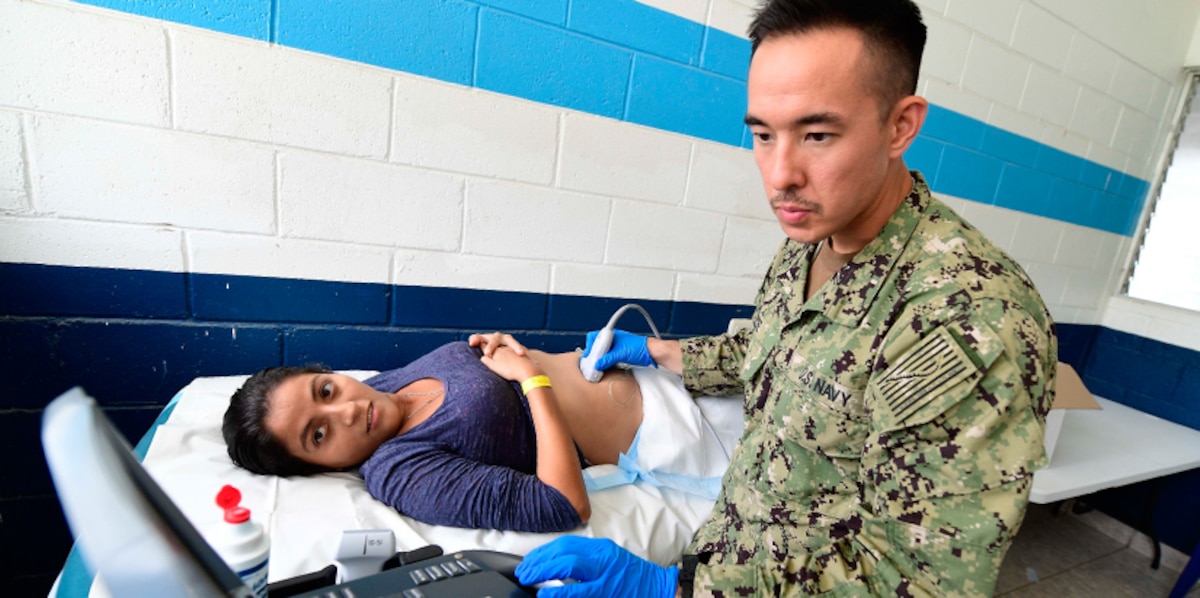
[[132, 536]]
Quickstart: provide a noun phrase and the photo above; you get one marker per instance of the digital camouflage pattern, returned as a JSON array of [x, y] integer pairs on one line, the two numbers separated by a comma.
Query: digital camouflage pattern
[[893, 422]]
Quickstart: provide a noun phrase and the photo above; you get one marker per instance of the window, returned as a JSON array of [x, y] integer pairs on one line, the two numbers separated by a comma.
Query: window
[[1166, 268]]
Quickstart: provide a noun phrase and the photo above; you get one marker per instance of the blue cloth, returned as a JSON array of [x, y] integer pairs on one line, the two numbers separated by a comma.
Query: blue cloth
[[629, 470], [473, 462]]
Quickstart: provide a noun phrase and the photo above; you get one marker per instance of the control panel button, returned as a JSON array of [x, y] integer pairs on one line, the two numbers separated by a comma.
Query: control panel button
[[419, 576]]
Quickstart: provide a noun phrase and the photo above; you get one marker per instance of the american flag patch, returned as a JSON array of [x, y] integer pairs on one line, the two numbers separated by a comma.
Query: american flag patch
[[924, 373]]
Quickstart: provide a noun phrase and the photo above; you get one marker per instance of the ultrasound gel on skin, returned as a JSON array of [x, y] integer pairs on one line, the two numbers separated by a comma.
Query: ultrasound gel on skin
[[241, 542]]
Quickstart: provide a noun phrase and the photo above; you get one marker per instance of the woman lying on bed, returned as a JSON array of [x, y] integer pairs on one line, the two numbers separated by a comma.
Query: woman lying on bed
[[450, 439]]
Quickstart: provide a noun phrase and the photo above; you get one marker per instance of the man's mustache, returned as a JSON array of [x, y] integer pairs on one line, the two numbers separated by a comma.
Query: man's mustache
[[794, 201]]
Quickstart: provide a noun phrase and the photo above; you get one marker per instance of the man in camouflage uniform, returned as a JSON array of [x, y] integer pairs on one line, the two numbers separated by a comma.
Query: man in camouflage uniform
[[899, 367]]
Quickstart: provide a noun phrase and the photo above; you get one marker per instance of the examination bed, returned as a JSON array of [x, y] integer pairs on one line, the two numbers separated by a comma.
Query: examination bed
[[306, 516]]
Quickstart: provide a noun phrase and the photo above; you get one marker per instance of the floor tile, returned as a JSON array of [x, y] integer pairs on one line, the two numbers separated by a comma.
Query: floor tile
[[1048, 545], [1124, 574], [1062, 556]]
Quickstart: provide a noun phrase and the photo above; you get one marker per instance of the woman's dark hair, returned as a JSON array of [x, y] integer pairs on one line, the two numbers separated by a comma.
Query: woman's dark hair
[[892, 30], [251, 446]]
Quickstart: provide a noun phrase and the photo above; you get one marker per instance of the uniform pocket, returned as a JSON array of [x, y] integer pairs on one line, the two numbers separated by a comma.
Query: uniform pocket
[[820, 414]]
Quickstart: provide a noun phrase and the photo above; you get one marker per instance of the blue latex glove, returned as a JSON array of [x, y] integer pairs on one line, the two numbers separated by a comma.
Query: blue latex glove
[[626, 348], [600, 566]]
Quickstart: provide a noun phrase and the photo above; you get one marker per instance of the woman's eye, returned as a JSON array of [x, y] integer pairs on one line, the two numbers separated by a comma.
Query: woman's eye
[[326, 390], [319, 435]]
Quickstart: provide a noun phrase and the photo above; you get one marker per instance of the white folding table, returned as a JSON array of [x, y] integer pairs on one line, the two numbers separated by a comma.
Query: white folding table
[[1114, 446]]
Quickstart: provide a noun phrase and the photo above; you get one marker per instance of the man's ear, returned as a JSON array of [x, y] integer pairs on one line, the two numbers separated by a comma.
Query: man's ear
[[905, 121]]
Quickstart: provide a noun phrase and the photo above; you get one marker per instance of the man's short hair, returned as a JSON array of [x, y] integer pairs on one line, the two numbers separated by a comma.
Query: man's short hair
[[892, 31]]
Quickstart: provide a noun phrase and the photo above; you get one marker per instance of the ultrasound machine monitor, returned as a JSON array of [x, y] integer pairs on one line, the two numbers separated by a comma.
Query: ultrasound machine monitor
[[133, 537], [127, 530]]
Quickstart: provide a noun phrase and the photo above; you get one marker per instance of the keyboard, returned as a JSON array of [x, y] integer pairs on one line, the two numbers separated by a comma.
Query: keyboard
[[466, 574]]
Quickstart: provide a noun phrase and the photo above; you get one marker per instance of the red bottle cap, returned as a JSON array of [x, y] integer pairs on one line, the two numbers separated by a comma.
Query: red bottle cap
[[228, 499]]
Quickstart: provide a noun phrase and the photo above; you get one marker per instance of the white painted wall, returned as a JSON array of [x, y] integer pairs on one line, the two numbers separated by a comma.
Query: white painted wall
[[1095, 78], [144, 144], [1193, 55]]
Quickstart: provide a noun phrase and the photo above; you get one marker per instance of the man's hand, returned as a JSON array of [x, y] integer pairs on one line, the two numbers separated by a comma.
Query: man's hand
[[626, 348], [600, 566]]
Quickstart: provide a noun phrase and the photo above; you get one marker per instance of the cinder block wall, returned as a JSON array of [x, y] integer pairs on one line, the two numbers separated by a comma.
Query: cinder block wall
[[208, 188]]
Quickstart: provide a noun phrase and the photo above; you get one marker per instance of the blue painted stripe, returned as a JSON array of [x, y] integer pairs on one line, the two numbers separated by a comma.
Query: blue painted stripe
[[1115, 213], [989, 165], [360, 348], [260, 299], [1058, 163], [1069, 199], [433, 38], [552, 342], [246, 18], [686, 100], [469, 309], [555, 66], [27, 358], [21, 477], [1134, 188], [1024, 189], [967, 173], [43, 290], [725, 54], [954, 128], [130, 360], [574, 312], [251, 302], [1145, 374], [1095, 176], [133, 362], [925, 155], [1075, 343], [625, 60], [550, 11], [1008, 147], [693, 318], [638, 27]]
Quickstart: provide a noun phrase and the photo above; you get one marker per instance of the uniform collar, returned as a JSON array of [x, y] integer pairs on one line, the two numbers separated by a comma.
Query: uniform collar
[[857, 284]]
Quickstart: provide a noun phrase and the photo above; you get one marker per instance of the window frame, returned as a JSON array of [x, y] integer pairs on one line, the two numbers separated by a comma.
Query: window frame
[[1190, 80]]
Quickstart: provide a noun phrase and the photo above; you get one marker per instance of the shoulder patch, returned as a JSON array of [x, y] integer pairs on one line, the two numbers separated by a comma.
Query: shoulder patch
[[924, 373]]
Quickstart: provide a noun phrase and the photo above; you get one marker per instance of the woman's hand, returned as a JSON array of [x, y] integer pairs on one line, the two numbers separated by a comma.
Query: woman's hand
[[557, 461], [492, 341], [505, 362]]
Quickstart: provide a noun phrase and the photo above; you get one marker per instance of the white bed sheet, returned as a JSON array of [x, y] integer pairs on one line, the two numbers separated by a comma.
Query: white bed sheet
[[305, 517]]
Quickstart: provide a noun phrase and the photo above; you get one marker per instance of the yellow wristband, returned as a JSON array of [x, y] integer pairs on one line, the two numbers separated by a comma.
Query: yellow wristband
[[535, 382]]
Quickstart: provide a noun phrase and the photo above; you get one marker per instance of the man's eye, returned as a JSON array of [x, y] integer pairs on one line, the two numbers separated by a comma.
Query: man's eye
[[819, 137], [318, 435], [762, 137], [326, 390]]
